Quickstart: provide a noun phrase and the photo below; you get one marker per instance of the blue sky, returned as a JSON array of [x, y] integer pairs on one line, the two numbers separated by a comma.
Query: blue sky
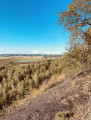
[[29, 26]]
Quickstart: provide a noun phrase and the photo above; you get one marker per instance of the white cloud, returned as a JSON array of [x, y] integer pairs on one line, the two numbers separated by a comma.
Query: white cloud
[[55, 52], [52, 53], [36, 52]]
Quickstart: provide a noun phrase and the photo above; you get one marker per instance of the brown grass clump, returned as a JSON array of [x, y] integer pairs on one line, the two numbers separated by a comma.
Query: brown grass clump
[[46, 85]]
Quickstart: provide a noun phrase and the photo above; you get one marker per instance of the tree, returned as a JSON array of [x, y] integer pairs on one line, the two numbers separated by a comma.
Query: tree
[[77, 20], [87, 38]]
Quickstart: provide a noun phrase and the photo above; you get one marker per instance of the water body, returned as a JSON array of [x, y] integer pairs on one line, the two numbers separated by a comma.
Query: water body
[[22, 61]]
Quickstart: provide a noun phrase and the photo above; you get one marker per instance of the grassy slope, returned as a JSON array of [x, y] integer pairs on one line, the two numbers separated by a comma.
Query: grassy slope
[[69, 100]]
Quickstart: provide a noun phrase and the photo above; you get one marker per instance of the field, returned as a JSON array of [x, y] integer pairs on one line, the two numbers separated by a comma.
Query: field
[[5, 61]]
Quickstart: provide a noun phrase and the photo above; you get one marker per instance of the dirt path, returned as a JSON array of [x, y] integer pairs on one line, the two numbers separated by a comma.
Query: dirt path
[[59, 98]]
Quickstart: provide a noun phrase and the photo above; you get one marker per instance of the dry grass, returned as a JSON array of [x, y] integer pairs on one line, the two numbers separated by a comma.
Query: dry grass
[[53, 81], [83, 112], [44, 87]]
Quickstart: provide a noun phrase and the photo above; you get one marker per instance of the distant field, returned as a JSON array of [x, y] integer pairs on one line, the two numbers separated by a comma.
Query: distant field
[[22, 57], [4, 61], [7, 60]]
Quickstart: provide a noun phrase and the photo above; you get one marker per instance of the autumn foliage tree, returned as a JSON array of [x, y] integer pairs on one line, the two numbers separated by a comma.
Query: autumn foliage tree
[[77, 20]]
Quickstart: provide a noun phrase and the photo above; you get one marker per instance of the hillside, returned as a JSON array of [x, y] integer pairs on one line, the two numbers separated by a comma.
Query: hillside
[[69, 100], [63, 89]]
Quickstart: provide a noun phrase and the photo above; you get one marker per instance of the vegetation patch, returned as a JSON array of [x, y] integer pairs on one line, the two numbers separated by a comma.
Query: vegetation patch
[[64, 114]]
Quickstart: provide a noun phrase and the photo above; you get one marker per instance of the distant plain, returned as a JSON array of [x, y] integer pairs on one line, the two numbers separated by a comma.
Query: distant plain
[[4, 61]]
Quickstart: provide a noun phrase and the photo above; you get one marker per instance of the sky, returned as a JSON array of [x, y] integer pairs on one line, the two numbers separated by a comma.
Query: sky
[[29, 26]]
